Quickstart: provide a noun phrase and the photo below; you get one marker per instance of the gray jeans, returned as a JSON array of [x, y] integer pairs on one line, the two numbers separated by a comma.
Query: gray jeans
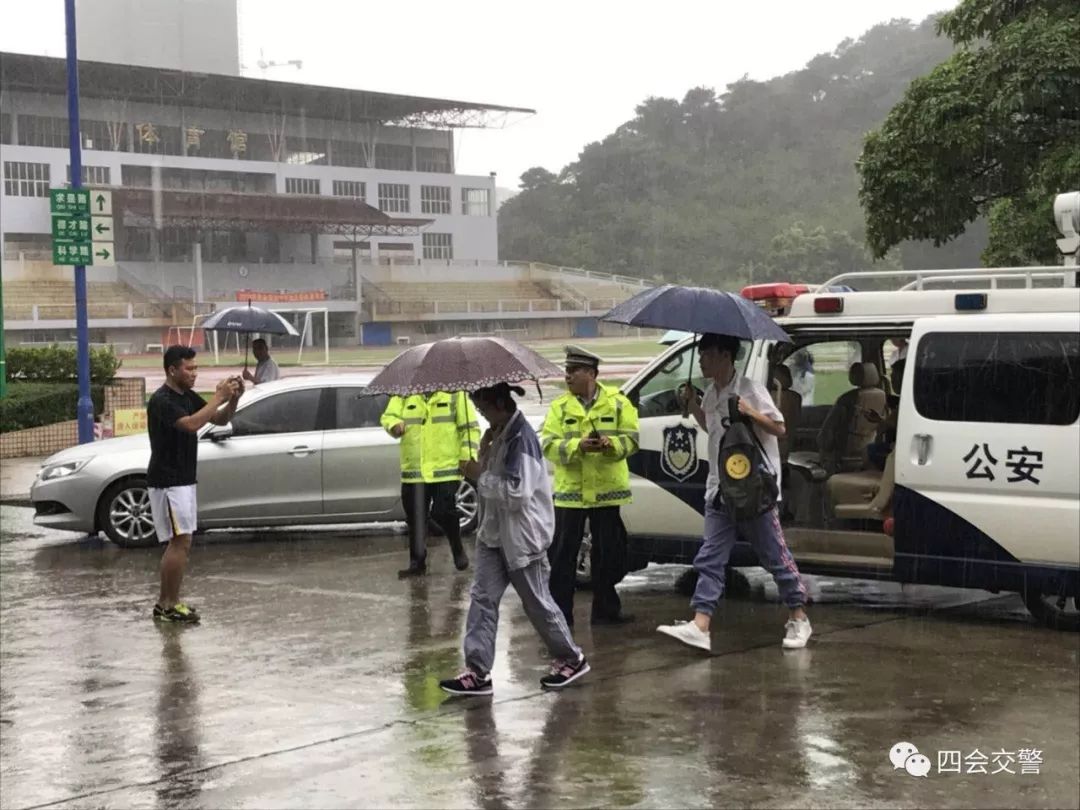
[[490, 579]]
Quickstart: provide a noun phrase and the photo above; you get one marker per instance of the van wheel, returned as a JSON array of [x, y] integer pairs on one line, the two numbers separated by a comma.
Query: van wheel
[[686, 582], [1056, 612], [123, 513]]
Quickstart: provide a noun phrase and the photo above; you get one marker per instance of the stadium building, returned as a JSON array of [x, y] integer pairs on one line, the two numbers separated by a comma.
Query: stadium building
[[341, 207]]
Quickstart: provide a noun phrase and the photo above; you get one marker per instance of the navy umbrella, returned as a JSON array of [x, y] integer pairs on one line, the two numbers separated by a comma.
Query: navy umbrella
[[248, 319], [698, 310]]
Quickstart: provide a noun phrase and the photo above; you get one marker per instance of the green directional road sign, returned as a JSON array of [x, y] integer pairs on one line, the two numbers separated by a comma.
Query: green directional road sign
[[70, 201], [65, 252], [71, 228]]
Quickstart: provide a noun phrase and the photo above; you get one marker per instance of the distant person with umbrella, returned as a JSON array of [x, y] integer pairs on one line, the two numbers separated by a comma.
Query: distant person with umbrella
[[517, 522], [588, 434], [249, 320], [438, 430], [266, 370]]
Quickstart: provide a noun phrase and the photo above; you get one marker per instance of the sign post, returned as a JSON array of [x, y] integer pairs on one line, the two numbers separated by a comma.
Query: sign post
[[85, 409]]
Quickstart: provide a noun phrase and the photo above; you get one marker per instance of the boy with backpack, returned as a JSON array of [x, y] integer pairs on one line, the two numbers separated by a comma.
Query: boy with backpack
[[744, 478]]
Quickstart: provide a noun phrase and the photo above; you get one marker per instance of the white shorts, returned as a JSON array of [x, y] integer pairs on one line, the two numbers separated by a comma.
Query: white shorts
[[174, 511]]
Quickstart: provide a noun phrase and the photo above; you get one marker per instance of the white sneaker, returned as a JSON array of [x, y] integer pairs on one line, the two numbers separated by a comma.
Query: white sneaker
[[797, 634], [687, 633]]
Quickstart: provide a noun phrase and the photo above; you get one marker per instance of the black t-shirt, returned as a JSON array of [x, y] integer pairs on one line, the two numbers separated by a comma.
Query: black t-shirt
[[173, 452]]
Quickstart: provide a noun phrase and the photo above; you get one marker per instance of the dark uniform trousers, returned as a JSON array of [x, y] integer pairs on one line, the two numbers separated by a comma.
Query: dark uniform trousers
[[607, 557], [439, 501]]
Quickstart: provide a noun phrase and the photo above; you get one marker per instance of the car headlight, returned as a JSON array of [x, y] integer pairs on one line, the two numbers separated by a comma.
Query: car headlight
[[54, 471]]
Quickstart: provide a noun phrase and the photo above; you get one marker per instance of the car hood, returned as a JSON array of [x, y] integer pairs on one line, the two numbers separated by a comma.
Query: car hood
[[121, 444]]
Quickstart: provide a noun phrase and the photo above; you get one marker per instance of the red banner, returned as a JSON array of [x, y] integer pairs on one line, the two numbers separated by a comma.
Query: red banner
[[281, 295]]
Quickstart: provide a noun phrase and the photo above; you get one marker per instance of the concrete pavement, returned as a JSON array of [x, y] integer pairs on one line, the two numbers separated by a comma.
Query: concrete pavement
[[16, 477], [313, 683]]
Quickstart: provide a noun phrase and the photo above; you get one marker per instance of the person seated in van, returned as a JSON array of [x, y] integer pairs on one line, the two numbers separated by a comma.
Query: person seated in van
[[878, 451]]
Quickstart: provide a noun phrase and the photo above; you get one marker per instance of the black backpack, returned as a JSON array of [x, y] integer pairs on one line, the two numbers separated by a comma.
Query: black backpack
[[747, 481]]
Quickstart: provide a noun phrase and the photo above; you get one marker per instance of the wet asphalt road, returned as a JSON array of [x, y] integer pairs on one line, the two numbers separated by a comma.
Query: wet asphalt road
[[313, 683]]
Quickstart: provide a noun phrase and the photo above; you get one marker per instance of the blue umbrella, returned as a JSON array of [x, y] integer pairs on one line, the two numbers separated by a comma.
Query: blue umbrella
[[698, 310]]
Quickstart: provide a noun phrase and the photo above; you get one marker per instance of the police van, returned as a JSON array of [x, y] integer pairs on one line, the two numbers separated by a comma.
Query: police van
[[933, 435]]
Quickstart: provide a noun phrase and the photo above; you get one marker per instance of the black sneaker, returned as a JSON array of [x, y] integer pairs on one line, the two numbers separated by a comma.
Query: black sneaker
[[179, 613], [467, 683], [563, 673]]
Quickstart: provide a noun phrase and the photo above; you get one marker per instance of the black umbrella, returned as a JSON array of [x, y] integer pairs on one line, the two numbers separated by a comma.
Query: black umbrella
[[248, 319], [461, 364], [697, 310]]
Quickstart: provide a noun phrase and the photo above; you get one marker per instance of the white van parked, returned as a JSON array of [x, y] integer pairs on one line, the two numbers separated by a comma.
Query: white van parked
[[933, 435]]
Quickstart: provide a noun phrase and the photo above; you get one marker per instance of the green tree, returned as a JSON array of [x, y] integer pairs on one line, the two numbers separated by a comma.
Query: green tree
[[991, 131], [692, 190]]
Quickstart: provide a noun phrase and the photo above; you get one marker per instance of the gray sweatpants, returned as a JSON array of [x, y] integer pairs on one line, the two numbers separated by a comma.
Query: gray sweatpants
[[490, 578], [766, 537]]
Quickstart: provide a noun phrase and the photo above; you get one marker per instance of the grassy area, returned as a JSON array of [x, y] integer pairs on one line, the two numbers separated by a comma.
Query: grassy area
[[828, 385], [607, 348]]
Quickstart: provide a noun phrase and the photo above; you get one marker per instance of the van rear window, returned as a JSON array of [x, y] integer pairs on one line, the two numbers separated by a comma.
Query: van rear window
[[1030, 378]]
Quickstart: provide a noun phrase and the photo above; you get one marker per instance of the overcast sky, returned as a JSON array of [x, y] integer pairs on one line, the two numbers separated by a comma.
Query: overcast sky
[[583, 65]]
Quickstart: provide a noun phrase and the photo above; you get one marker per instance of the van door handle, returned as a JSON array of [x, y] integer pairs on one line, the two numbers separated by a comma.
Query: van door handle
[[921, 445], [301, 451]]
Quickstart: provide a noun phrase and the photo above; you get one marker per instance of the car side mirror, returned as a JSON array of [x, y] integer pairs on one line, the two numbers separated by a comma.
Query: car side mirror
[[219, 433]]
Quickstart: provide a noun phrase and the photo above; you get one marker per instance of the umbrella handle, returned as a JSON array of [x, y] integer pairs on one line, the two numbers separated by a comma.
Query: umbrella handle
[[689, 379]]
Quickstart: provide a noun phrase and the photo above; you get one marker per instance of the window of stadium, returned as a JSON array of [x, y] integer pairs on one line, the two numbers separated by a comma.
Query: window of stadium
[[438, 246]]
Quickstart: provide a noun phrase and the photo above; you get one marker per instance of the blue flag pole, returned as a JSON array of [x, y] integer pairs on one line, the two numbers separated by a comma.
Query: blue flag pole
[[85, 410]]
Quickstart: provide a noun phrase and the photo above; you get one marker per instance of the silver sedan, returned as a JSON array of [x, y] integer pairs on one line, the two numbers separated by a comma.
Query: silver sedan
[[299, 451]]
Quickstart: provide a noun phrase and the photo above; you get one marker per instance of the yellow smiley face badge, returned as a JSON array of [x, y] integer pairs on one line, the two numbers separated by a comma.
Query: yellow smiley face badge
[[737, 466]]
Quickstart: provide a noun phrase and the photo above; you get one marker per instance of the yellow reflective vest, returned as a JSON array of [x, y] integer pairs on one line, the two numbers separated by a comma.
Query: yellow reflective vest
[[440, 431], [586, 480]]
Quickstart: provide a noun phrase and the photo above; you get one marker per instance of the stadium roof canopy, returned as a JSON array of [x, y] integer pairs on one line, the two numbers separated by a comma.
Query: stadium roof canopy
[[291, 213], [149, 85]]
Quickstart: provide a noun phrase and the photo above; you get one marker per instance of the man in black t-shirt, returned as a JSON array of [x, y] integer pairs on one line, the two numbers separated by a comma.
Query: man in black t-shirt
[[174, 416]]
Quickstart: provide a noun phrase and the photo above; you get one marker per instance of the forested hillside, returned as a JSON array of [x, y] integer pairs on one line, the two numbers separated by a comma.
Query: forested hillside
[[755, 183]]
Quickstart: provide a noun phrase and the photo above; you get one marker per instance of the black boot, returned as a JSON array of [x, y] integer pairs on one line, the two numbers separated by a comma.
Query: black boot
[[417, 568], [457, 548]]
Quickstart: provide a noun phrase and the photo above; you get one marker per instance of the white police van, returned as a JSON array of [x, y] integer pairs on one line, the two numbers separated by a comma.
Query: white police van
[[982, 486]]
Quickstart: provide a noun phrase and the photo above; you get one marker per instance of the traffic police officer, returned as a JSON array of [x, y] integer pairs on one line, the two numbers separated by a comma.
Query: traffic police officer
[[588, 434], [438, 431]]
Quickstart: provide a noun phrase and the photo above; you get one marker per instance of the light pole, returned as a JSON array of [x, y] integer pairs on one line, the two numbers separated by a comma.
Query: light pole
[[85, 409]]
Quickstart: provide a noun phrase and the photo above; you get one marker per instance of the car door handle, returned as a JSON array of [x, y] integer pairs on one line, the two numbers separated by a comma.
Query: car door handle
[[921, 445], [300, 451]]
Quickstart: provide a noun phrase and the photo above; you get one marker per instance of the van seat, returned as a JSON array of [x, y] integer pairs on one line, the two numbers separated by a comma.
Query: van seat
[[851, 494]]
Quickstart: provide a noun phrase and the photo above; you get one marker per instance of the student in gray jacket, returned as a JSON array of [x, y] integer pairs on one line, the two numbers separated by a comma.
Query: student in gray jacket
[[517, 520]]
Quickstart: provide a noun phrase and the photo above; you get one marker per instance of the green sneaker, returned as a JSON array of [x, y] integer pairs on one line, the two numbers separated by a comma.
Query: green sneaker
[[179, 613]]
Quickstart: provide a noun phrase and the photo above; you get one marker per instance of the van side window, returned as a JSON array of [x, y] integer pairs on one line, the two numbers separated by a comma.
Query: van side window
[[1031, 378], [656, 394]]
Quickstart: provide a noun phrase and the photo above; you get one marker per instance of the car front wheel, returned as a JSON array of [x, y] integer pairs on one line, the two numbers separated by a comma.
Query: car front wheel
[[124, 514], [468, 506]]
